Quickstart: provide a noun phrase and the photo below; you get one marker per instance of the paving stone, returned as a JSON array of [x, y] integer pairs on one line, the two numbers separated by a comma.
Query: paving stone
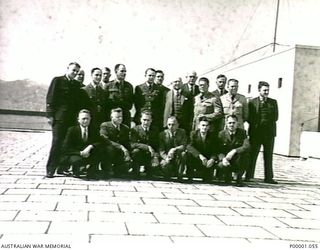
[[13, 197], [18, 186], [250, 221], [121, 217], [235, 197], [306, 214], [37, 206], [126, 242], [7, 215], [85, 192], [301, 223], [236, 231], [57, 198], [32, 191], [206, 210], [278, 205], [67, 206], [163, 229], [188, 196], [158, 189], [264, 212], [187, 219], [217, 203], [112, 188], [148, 208], [296, 234], [164, 201], [52, 216], [23, 227], [155, 194], [88, 228], [95, 198], [63, 186]]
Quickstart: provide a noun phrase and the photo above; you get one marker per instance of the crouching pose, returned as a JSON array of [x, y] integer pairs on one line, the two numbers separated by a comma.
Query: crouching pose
[[81, 147], [172, 145], [115, 156], [234, 148], [202, 152], [144, 144]]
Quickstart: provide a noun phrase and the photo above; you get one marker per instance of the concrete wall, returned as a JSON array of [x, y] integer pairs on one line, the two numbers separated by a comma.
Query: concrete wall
[[306, 95]]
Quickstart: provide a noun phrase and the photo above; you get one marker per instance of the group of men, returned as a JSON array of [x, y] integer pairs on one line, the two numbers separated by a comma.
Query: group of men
[[183, 131]]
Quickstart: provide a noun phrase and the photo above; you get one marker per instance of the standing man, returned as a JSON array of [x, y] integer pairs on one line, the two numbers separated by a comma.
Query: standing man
[[163, 91], [63, 104], [190, 90], [120, 93], [148, 96], [208, 105], [202, 152], [233, 149], [81, 146], [234, 104], [144, 144], [106, 73], [97, 98], [80, 77], [263, 115], [221, 83], [176, 104], [172, 145], [115, 150]]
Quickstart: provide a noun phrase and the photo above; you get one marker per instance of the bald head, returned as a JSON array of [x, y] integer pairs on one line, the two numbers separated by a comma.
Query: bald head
[[191, 77]]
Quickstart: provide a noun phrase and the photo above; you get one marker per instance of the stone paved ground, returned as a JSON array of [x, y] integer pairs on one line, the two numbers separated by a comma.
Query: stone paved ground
[[100, 214]]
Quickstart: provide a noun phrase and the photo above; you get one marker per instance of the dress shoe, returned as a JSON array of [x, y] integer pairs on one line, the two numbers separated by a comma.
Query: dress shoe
[[240, 183], [271, 181], [50, 175], [64, 172]]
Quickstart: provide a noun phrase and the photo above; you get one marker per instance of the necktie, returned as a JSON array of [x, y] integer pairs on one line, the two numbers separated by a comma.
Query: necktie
[[85, 134], [232, 136]]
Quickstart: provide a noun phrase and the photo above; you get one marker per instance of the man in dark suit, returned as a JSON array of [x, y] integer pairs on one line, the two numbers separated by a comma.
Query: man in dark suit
[[190, 90], [201, 152], [115, 148], [263, 115], [221, 83], [176, 104], [120, 93], [233, 149], [81, 146], [106, 73], [97, 98], [144, 144], [63, 104], [163, 92], [148, 96], [172, 145]]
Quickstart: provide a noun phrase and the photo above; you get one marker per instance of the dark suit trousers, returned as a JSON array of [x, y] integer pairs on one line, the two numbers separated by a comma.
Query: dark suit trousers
[[141, 158], [267, 143], [59, 131], [194, 165], [238, 164]]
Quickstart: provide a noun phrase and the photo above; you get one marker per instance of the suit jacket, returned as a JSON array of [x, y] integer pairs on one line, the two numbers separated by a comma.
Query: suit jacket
[[187, 93], [73, 142], [254, 117], [238, 107], [240, 142], [210, 106], [217, 92], [141, 139], [166, 142], [168, 108], [98, 102], [145, 98], [197, 146], [111, 135], [63, 100]]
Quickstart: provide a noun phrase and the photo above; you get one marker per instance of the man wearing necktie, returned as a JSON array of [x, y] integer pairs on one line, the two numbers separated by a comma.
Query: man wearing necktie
[[221, 83], [201, 152], [234, 150], [97, 98], [81, 146], [172, 145], [148, 96], [263, 115], [144, 146], [120, 94]]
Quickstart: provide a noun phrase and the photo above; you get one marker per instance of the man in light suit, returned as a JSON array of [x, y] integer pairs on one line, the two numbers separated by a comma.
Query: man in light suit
[[234, 103], [176, 104], [81, 146], [233, 149], [190, 89], [201, 152], [97, 98], [144, 145], [208, 105], [148, 96], [263, 115], [63, 104], [172, 145]]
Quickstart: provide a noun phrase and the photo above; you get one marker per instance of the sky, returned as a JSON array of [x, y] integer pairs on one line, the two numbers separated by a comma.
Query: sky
[[38, 38]]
